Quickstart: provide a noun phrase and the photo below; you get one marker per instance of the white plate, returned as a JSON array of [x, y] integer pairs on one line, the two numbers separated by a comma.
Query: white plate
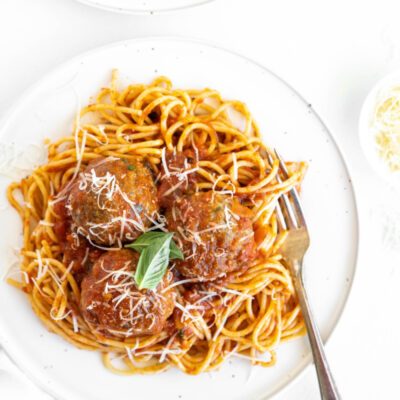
[[143, 6], [286, 122], [367, 135]]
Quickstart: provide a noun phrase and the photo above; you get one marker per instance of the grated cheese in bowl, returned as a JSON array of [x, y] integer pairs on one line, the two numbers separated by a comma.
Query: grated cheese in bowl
[[386, 123], [379, 128]]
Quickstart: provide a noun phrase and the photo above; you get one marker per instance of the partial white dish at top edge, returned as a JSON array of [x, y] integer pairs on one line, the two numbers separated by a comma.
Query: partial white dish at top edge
[[143, 6], [286, 122]]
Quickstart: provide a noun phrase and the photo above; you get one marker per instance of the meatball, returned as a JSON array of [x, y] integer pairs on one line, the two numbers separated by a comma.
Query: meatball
[[113, 201], [78, 254], [215, 234], [112, 303], [180, 178]]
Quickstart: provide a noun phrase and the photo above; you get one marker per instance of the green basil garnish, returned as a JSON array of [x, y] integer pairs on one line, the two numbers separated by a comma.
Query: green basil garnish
[[156, 249], [148, 239]]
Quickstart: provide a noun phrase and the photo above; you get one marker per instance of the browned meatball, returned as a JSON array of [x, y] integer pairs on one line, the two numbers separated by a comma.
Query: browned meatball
[[112, 303], [214, 232], [180, 178], [113, 201]]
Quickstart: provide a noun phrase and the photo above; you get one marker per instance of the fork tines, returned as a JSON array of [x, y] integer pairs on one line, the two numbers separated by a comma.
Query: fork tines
[[289, 213]]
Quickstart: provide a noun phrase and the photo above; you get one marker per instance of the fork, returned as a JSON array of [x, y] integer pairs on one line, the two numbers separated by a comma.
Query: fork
[[290, 218]]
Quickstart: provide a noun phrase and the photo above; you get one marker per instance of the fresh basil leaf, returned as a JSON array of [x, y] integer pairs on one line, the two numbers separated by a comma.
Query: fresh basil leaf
[[149, 238], [145, 240], [153, 263], [174, 251]]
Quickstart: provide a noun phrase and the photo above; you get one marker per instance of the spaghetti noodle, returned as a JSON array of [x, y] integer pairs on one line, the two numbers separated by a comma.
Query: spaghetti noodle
[[245, 313]]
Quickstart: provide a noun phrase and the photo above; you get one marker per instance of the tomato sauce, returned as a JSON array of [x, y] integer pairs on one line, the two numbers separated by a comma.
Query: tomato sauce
[[75, 248]]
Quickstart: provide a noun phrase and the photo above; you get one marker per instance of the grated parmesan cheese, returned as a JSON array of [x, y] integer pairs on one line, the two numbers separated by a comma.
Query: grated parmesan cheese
[[164, 162], [385, 122], [235, 167], [75, 323]]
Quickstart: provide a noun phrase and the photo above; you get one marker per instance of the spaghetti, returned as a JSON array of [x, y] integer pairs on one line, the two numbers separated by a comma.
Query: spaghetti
[[245, 313]]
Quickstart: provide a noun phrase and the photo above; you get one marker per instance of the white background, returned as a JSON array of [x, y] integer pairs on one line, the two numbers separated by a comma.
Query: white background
[[332, 53]]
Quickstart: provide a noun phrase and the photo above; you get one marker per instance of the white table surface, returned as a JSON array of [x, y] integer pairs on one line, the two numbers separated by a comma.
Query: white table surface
[[332, 53]]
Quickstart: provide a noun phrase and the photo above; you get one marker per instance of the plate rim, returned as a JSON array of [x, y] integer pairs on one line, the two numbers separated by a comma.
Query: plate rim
[[31, 89], [120, 10]]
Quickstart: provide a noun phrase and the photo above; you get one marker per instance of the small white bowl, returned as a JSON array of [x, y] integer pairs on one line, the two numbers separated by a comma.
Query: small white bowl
[[367, 135]]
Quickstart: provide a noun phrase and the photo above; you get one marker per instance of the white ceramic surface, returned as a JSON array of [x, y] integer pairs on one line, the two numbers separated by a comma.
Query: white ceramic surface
[[143, 6], [367, 134], [286, 122]]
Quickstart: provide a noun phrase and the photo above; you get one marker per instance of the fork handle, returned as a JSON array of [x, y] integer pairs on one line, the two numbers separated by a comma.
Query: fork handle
[[326, 382]]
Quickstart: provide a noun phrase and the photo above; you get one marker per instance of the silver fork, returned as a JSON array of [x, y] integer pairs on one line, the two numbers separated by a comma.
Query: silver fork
[[291, 218]]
